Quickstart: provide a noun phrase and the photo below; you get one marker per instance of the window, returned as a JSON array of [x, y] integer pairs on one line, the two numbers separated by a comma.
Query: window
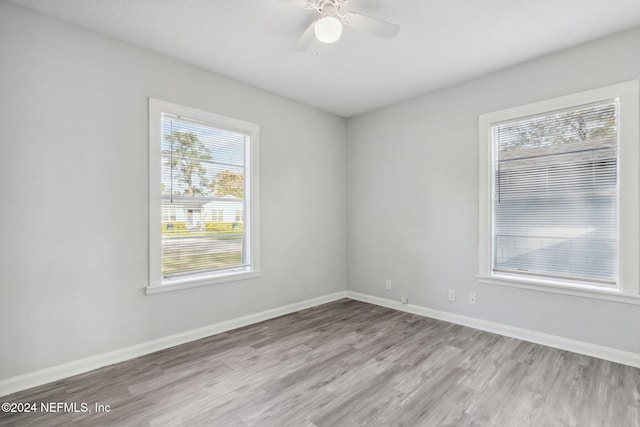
[[217, 215], [203, 170], [169, 215], [559, 192], [239, 216]]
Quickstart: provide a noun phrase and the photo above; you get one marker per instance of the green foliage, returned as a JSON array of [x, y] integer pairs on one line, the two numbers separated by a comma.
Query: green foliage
[[223, 226], [228, 183], [174, 227], [588, 123], [184, 158]]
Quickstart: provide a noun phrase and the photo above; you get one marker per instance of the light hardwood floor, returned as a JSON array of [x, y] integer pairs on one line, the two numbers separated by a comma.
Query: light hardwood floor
[[349, 363]]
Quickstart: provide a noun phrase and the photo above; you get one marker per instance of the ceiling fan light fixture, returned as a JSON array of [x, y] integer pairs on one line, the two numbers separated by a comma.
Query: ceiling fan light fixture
[[328, 29]]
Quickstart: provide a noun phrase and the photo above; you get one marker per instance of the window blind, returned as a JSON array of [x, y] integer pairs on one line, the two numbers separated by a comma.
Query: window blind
[[555, 192], [203, 188]]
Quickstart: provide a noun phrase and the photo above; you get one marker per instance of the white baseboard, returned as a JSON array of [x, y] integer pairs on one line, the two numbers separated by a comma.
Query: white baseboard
[[580, 347], [54, 373]]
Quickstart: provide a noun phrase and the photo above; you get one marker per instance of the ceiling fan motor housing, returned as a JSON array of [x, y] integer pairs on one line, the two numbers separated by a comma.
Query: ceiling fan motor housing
[[330, 7]]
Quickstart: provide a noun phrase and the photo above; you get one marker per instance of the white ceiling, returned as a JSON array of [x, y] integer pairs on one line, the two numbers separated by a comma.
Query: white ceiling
[[441, 42]]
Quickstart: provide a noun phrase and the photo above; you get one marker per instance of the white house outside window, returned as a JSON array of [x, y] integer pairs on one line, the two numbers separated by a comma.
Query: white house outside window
[[559, 193], [203, 170]]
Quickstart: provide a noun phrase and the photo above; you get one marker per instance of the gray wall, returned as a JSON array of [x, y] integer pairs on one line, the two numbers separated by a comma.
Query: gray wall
[[74, 210], [412, 210]]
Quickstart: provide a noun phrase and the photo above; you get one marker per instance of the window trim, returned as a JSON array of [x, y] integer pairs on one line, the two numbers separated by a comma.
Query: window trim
[[628, 286], [252, 198]]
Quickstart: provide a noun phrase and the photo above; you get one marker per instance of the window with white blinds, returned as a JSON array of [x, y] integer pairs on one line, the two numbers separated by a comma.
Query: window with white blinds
[[560, 194], [203, 173], [555, 185]]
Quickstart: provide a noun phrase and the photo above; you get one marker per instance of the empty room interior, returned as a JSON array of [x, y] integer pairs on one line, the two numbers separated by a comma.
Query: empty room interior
[[320, 212]]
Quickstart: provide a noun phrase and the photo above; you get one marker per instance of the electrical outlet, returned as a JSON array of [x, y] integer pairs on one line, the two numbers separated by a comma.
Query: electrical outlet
[[404, 299], [452, 294], [472, 298], [388, 284]]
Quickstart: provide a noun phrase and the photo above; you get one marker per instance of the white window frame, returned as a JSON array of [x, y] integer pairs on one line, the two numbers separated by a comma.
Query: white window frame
[[628, 286], [252, 226]]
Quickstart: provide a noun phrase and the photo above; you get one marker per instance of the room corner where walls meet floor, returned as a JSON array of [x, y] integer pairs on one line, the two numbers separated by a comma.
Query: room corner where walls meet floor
[[54, 373]]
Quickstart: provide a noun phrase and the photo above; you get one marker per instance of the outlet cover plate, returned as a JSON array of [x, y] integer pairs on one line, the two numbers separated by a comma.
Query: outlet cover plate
[[472, 298]]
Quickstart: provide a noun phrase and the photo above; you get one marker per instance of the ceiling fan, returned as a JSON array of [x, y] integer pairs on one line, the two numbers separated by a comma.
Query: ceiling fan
[[328, 27]]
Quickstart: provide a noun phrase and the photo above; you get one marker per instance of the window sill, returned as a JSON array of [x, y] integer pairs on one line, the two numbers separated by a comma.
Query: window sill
[[560, 288], [182, 284]]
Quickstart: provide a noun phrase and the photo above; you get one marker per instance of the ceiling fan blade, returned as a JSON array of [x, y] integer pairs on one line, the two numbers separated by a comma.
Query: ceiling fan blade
[[306, 4], [305, 39], [373, 26]]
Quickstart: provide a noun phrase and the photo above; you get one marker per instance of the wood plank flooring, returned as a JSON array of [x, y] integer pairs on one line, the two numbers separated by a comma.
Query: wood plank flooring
[[348, 363]]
